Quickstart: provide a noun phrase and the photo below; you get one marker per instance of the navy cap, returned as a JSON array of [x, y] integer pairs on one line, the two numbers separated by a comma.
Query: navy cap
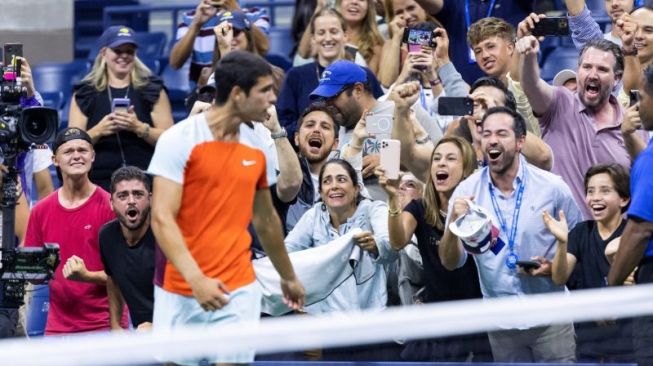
[[236, 18], [117, 35], [336, 77], [70, 133]]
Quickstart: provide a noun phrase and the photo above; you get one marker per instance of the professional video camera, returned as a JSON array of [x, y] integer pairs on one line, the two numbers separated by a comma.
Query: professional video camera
[[20, 130]]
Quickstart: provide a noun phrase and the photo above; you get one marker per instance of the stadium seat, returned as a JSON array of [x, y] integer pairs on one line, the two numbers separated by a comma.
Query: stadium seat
[[280, 41], [153, 64], [559, 59], [178, 85], [53, 100], [54, 77]]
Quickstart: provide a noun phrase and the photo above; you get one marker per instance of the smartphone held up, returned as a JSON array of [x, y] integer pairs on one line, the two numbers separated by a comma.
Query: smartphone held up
[[390, 158], [552, 26]]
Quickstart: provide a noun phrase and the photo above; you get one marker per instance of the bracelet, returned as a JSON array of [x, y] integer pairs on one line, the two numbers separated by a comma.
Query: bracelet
[[392, 212], [423, 140], [629, 51], [435, 82], [145, 133], [359, 147], [277, 135]]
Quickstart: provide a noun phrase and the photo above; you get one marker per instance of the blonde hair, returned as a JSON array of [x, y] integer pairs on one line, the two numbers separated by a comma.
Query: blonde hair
[[99, 75], [431, 199], [370, 36], [490, 27]]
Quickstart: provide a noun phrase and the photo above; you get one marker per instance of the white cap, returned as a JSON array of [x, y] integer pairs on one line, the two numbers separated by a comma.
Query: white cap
[[475, 229], [563, 76]]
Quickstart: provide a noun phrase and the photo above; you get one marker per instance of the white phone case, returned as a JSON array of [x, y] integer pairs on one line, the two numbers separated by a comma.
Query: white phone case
[[390, 150]]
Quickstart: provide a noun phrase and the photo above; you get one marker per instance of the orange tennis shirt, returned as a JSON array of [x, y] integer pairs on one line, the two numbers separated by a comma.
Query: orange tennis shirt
[[219, 181]]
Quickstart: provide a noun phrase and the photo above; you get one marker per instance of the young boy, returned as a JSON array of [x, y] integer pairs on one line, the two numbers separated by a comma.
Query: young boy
[[607, 195]]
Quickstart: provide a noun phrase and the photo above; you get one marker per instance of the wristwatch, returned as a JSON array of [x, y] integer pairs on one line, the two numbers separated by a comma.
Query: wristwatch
[[277, 135], [145, 133]]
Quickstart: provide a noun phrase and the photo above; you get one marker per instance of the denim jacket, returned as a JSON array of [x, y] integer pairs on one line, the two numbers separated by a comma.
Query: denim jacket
[[367, 288]]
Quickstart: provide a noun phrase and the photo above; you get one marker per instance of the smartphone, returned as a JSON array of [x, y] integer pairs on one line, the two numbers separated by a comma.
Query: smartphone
[[455, 106], [389, 159], [552, 26], [634, 97], [120, 105], [418, 37], [11, 53], [379, 124], [528, 265]]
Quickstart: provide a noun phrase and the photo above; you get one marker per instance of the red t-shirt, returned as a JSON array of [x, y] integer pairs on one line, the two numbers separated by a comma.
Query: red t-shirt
[[74, 306]]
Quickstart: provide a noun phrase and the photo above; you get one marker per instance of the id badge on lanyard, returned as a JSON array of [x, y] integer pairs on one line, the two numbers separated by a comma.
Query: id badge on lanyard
[[468, 23]]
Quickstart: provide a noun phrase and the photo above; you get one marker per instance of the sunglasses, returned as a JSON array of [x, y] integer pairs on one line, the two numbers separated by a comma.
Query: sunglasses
[[120, 51]]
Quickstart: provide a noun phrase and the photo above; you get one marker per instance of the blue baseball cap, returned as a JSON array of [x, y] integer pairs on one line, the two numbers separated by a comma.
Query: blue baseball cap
[[117, 35], [236, 18], [337, 76]]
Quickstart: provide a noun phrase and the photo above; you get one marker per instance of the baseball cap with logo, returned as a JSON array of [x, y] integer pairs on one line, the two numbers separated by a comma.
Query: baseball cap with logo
[[475, 229], [117, 35], [69, 134], [338, 75], [236, 18]]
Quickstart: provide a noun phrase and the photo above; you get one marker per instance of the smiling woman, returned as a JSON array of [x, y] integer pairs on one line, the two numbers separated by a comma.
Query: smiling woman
[[122, 106], [343, 209]]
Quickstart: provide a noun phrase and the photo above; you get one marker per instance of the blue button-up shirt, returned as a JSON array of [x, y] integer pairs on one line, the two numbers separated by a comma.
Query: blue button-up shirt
[[543, 191]]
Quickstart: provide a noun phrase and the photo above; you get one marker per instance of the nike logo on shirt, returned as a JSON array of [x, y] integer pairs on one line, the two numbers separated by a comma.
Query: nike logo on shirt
[[249, 162]]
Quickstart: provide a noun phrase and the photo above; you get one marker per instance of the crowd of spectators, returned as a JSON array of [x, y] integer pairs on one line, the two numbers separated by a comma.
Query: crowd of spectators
[[562, 170]]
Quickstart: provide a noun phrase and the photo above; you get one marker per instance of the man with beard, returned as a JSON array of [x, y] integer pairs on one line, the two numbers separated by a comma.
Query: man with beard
[[316, 138], [514, 193], [583, 128], [345, 85], [486, 92], [636, 248], [127, 247]]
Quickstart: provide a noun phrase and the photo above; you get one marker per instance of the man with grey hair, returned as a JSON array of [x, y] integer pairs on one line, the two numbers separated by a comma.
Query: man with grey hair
[[583, 128]]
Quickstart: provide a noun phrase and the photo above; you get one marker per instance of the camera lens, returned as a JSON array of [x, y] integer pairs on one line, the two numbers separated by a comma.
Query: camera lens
[[38, 125]]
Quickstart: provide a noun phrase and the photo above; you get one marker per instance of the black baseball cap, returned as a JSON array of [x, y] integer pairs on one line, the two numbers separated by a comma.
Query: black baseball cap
[[69, 134]]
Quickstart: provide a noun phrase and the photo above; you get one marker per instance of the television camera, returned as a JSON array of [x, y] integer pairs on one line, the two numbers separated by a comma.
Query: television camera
[[21, 129]]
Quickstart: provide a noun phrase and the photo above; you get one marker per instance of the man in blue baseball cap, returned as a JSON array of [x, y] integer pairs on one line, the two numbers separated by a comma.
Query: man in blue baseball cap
[[346, 86]]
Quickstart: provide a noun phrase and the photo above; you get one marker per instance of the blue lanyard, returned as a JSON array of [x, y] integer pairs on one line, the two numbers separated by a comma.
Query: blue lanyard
[[468, 18], [504, 224]]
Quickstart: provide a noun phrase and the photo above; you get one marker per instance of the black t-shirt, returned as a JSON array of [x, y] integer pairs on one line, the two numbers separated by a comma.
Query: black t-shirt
[[441, 284], [586, 245], [131, 268], [111, 150]]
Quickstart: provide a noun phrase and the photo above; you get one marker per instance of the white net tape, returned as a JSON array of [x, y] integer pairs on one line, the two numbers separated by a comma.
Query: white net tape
[[305, 332]]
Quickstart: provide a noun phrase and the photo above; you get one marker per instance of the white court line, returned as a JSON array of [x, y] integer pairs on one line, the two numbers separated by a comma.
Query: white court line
[[303, 332]]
